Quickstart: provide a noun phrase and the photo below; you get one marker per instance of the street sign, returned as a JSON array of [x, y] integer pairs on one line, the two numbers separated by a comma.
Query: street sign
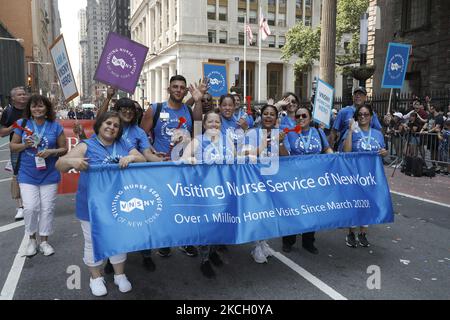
[[63, 68], [218, 78], [323, 103], [396, 64], [121, 63]]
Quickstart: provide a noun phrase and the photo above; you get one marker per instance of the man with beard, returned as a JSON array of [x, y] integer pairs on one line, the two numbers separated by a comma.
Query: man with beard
[[161, 119], [11, 114]]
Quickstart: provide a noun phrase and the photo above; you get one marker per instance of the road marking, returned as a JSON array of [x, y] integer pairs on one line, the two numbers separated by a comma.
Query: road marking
[[5, 180], [308, 276], [12, 226], [10, 285], [421, 199]]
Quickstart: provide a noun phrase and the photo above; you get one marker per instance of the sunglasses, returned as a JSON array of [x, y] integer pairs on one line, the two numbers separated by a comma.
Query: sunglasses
[[363, 115], [303, 116]]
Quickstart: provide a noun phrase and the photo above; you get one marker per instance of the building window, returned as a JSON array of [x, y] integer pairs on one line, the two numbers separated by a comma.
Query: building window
[[211, 10], [253, 14], [281, 42], [223, 13], [271, 18], [308, 4], [212, 36], [271, 41], [241, 38], [415, 14], [308, 21], [282, 20], [223, 37], [241, 15]]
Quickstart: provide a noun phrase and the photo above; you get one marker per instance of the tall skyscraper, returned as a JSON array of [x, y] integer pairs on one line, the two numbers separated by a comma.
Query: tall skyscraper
[[120, 13], [84, 57]]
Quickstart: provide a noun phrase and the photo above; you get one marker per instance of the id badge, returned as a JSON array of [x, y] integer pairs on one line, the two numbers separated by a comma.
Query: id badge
[[40, 163], [8, 166], [164, 116]]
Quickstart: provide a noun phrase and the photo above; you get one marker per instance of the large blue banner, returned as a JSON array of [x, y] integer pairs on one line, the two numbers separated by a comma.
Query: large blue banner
[[166, 205], [396, 65]]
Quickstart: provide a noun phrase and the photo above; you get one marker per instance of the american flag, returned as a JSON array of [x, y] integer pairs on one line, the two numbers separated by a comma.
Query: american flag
[[264, 28], [249, 33]]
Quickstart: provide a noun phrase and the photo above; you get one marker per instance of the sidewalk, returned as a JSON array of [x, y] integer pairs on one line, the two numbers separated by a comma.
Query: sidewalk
[[435, 189]]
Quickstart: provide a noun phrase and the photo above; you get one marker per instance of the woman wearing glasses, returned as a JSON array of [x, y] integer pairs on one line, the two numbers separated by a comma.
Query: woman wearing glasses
[[362, 138], [309, 141]]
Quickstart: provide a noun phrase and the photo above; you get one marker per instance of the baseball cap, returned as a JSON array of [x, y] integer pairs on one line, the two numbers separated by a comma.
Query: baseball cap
[[398, 114], [360, 89]]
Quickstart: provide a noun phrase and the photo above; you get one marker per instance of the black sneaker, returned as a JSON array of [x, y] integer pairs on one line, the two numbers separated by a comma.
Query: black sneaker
[[350, 240], [310, 248], [190, 251], [215, 259], [207, 270], [287, 247], [108, 267], [149, 264], [363, 240], [164, 252]]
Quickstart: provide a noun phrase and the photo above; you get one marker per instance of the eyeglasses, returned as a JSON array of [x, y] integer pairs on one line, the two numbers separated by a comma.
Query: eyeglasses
[[125, 111], [303, 116], [366, 115]]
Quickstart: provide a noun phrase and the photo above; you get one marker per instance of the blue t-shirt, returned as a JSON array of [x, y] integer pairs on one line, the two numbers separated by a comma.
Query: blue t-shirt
[[164, 128], [97, 154], [219, 152], [136, 137], [342, 122], [232, 130], [28, 173], [366, 141], [287, 122], [311, 141], [254, 139]]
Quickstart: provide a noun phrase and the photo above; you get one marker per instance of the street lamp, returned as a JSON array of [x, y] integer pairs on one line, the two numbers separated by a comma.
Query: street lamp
[[12, 39]]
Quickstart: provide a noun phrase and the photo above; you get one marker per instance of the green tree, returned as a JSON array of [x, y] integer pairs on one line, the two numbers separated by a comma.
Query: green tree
[[305, 41]]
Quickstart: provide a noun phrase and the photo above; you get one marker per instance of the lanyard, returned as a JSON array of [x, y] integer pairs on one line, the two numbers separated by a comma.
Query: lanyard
[[114, 153], [306, 143], [38, 133], [125, 132], [366, 139]]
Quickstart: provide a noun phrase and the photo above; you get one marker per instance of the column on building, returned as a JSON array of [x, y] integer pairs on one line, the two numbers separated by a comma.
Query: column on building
[[152, 29], [158, 96], [165, 13], [172, 69], [171, 15], [151, 85], [289, 77], [263, 86], [164, 80], [233, 67]]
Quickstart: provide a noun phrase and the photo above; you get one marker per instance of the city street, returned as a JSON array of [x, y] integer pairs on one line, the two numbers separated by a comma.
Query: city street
[[411, 257]]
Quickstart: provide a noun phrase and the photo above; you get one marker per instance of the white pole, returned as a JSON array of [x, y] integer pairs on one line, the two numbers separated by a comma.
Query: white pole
[[260, 44], [245, 57]]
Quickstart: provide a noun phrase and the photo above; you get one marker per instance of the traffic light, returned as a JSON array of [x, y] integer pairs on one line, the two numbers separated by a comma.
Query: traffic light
[[29, 80]]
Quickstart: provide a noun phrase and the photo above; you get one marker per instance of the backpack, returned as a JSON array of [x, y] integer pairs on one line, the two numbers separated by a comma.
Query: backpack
[[413, 166]]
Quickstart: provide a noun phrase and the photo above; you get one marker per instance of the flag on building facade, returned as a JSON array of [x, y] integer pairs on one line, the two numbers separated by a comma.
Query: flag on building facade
[[249, 33], [264, 28]]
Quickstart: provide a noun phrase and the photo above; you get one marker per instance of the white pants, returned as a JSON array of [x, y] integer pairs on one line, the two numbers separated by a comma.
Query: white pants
[[89, 250], [38, 208]]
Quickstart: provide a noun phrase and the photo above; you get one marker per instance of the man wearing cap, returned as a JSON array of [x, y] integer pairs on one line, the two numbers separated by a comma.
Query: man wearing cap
[[341, 124]]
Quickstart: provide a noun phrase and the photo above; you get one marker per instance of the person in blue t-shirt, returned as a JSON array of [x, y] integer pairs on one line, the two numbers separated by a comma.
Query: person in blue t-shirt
[[163, 131], [309, 141], [234, 120], [106, 148], [344, 116], [361, 137], [40, 145], [212, 147], [287, 107]]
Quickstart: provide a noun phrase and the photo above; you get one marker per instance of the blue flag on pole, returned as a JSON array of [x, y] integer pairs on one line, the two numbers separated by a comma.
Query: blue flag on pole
[[155, 205], [396, 65]]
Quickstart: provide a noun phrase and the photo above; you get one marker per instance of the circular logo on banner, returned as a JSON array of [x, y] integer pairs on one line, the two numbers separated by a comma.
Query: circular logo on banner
[[396, 66], [121, 63], [216, 81], [137, 206], [42, 144]]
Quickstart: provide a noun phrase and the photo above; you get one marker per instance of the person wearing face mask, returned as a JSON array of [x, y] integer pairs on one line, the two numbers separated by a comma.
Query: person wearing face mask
[[40, 140], [210, 148], [107, 147], [309, 141], [362, 138]]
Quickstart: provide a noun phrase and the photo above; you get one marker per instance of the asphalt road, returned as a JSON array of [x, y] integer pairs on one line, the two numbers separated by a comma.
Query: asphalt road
[[411, 256]]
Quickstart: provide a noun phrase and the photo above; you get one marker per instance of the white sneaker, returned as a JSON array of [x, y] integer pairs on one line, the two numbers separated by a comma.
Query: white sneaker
[[98, 287], [258, 254], [46, 249], [19, 214], [31, 248], [267, 250], [122, 282]]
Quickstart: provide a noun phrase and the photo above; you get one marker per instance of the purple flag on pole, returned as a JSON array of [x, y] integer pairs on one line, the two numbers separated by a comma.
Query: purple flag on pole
[[121, 63]]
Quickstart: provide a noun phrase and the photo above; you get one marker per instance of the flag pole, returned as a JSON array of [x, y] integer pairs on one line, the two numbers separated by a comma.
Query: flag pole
[[245, 56], [259, 64]]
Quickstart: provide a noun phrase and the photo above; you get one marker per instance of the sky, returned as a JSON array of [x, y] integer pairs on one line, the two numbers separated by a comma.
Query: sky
[[68, 10]]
